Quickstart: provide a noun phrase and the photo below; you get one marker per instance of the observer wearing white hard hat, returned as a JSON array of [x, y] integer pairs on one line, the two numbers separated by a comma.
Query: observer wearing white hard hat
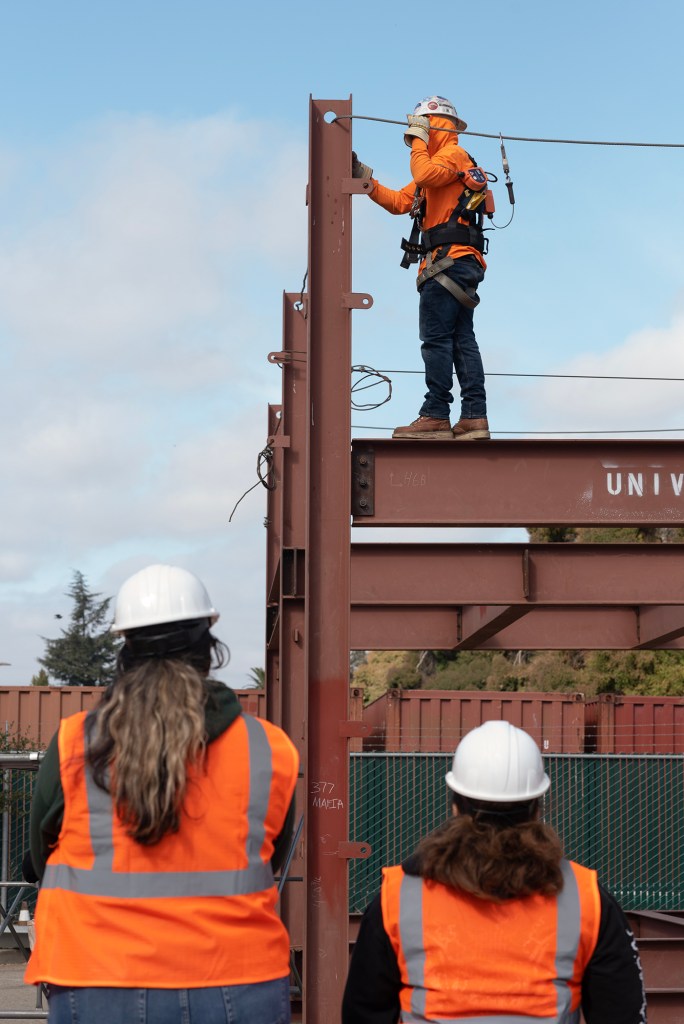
[[487, 921], [156, 825]]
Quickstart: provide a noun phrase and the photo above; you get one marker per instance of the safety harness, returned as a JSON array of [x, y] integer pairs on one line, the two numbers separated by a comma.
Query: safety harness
[[464, 227]]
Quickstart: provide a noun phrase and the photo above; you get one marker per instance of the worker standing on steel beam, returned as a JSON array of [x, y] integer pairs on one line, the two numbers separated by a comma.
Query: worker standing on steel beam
[[487, 920], [447, 199], [156, 824]]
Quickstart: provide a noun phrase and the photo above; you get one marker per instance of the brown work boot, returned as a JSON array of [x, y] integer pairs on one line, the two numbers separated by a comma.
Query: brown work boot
[[425, 428], [471, 430]]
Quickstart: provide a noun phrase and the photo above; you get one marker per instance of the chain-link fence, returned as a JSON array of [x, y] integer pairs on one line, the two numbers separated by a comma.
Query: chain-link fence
[[16, 788], [622, 815]]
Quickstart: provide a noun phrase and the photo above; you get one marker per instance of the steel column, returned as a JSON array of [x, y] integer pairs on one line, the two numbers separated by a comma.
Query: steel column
[[328, 553], [292, 440], [291, 443], [274, 514], [519, 483]]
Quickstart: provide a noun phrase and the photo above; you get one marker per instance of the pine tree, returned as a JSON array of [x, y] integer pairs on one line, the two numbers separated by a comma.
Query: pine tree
[[85, 654]]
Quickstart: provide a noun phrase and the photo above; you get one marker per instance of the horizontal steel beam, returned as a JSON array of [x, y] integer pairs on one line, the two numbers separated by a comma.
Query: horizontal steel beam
[[660, 626], [439, 627], [378, 628], [484, 574], [518, 483]]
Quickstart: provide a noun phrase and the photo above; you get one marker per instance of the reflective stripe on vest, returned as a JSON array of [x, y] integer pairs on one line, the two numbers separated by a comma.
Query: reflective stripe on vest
[[413, 947], [102, 880]]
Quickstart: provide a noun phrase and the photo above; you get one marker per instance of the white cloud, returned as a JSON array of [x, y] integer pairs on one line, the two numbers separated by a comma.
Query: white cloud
[[140, 291], [617, 405]]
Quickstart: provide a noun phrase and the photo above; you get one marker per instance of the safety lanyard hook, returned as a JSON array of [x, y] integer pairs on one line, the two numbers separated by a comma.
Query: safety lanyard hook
[[506, 170]]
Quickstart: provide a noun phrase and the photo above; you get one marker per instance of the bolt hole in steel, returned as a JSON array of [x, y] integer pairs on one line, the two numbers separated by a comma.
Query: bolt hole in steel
[[329, 116]]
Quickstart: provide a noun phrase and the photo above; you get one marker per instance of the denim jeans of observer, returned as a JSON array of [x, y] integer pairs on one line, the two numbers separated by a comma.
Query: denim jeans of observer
[[448, 342], [265, 1003]]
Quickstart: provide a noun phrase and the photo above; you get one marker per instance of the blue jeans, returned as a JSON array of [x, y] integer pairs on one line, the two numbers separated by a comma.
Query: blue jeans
[[448, 343], [265, 1003]]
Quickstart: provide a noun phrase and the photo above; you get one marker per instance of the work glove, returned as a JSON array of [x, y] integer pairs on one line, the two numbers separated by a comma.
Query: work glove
[[360, 170], [418, 128]]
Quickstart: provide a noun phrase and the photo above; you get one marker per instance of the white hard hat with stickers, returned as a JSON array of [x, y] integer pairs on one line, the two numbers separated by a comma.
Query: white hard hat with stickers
[[439, 106]]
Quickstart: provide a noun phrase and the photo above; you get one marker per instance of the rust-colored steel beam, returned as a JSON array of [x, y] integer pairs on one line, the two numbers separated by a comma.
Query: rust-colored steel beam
[[328, 555], [483, 574], [576, 628], [274, 503], [518, 483], [399, 628], [479, 623], [290, 446], [540, 628], [660, 627]]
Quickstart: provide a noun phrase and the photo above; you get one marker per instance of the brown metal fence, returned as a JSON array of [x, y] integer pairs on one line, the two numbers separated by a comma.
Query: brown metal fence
[[433, 721], [34, 712]]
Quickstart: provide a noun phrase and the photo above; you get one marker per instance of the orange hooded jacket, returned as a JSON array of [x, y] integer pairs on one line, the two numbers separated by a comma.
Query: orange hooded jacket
[[435, 168]]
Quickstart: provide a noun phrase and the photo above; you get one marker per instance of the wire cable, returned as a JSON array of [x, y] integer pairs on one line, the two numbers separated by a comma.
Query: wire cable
[[520, 138], [545, 433], [267, 479], [300, 302], [367, 373], [562, 376]]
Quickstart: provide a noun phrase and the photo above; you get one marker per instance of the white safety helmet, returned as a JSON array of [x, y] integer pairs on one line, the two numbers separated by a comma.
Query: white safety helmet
[[158, 594], [497, 762], [439, 106]]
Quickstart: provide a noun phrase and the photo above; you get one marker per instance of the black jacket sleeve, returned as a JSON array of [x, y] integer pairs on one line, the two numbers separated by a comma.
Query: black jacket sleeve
[[374, 982], [613, 986], [47, 809]]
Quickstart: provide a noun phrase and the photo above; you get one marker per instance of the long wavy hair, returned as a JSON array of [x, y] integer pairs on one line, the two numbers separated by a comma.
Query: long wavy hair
[[149, 727], [497, 852]]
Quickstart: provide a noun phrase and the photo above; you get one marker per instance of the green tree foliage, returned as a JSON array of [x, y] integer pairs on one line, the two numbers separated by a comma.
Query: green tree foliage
[[387, 670], [85, 654], [12, 741], [258, 677], [356, 659], [41, 678], [552, 534]]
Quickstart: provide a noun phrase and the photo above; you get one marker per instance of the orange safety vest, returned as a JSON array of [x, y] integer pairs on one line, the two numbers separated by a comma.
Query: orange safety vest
[[195, 910], [472, 960]]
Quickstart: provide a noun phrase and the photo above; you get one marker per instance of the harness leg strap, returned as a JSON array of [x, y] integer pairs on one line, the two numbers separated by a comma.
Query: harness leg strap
[[435, 271], [471, 301]]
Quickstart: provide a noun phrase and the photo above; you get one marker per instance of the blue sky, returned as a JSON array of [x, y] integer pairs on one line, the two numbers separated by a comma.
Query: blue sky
[[152, 153]]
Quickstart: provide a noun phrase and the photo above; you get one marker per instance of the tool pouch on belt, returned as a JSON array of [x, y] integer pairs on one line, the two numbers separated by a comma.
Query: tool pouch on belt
[[413, 248]]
